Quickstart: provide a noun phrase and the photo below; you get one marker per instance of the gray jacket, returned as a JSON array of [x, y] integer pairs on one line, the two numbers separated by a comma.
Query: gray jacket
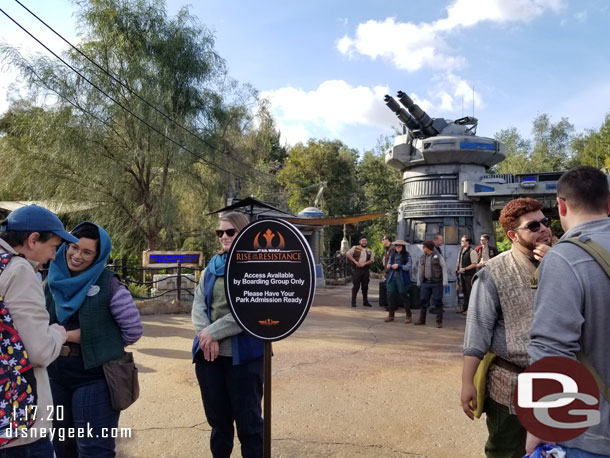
[[572, 313]]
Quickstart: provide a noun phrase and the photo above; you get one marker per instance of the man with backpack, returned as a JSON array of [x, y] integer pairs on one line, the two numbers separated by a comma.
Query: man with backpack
[[29, 238], [571, 310]]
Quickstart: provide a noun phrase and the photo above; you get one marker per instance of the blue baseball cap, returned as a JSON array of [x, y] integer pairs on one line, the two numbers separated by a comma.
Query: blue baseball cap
[[33, 218]]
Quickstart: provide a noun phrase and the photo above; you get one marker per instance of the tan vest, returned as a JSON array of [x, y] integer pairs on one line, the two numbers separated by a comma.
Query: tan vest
[[512, 273]]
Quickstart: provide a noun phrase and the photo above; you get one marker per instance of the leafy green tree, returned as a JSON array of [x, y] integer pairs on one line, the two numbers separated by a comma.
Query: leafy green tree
[[382, 189], [260, 143], [517, 152], [593, 147], [89, 147], [322, 163], [551, 143], [323, 173], [551, 148]]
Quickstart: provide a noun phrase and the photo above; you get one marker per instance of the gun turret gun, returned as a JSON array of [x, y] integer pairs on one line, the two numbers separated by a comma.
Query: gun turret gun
[[401, 113], [429, 126], [432, 141]]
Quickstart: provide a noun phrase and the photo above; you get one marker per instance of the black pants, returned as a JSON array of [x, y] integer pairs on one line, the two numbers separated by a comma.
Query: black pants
[[360, 277], [431, 293], [506, 435], [232, 394], [466, 285]]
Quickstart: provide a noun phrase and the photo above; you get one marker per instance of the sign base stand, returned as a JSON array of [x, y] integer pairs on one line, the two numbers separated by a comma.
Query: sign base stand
[[267, 402]]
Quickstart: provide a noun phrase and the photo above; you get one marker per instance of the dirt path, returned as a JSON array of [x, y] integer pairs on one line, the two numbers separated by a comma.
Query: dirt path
[[345, 384]]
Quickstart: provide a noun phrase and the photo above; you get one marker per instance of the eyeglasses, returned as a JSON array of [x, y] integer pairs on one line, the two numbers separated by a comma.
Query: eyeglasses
[[534, 226], [85, 254], [229, 232]]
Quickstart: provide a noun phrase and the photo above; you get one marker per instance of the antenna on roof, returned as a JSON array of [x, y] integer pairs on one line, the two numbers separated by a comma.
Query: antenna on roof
[[473, 101]]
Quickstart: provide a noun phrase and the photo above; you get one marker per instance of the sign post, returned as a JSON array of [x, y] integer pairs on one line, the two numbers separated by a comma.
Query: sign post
[[270, 281]]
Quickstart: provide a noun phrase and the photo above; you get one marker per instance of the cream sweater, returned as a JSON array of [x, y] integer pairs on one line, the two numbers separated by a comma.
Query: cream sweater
[[22, 293]]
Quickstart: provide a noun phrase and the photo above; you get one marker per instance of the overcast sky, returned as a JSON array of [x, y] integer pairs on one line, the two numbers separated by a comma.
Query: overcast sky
[[325, 66]]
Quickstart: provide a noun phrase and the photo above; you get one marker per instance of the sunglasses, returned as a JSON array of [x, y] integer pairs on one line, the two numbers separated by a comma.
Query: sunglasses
[[534, 226], [229, 232]]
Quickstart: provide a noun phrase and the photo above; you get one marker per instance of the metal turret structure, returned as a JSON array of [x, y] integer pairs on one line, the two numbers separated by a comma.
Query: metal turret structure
[[446, 188], [437, 157]]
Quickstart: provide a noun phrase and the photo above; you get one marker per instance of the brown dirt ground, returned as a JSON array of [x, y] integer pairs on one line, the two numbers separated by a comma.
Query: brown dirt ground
[[345, 384]]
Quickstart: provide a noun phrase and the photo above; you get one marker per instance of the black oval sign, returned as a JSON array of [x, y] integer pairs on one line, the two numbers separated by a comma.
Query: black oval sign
[[270, 279]]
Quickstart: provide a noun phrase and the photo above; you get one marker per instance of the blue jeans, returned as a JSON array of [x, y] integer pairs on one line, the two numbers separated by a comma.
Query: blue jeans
[[578, 453], [42, 448], [86, 404], [232, 394]]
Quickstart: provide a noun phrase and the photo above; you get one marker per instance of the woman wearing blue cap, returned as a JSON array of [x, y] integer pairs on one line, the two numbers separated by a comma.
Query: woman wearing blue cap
[[101, 318]]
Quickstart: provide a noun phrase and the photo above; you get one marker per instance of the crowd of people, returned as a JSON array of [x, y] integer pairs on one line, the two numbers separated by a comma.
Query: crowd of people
[[519, 308], [521, 305], [429, 273]]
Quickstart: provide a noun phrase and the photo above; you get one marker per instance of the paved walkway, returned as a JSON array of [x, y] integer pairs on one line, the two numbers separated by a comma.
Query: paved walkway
[[345, 384]]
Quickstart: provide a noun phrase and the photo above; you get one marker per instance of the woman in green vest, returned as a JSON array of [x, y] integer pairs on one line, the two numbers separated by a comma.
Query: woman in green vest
[[100, 318]]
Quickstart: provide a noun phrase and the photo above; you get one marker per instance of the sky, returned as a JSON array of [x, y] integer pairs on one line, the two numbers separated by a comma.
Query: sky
[[325, 66]]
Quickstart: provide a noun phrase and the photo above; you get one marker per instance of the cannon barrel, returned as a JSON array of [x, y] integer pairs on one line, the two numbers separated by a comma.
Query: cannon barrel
[[401, 113], [420, 115]]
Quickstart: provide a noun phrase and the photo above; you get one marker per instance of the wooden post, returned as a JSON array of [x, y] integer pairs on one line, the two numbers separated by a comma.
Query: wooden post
[[124, 267]]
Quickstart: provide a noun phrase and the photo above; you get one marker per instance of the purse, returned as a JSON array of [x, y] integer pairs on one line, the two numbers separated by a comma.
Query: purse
[[122, 378], [480, 381]]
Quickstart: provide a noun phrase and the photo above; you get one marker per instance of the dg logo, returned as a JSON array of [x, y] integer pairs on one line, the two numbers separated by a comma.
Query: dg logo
[[557, 399]]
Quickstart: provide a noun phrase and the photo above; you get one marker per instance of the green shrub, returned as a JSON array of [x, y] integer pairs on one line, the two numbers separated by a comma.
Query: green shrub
[[140, 291]]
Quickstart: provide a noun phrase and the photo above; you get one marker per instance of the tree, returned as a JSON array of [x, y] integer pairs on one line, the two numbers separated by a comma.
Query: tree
[[517, 152], [325, 163], [323, 173], [382, 192], [551, 144], [593, 147], [260, 144], [549, 150], [91, 148]]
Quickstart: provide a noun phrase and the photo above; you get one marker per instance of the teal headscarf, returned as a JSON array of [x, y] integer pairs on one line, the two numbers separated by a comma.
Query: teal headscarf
[[69, 291]]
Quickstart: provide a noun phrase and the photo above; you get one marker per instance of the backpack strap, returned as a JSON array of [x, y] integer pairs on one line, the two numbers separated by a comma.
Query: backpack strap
[[594, 249], [4, 260], [602, 257], [603, 389]]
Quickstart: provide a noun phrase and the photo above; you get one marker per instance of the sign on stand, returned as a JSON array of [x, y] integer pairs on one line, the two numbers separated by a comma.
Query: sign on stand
[[270, 281]]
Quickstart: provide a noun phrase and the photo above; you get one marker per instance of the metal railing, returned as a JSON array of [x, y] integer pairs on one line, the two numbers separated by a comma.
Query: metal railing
[[129, 279], [336, 267]]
